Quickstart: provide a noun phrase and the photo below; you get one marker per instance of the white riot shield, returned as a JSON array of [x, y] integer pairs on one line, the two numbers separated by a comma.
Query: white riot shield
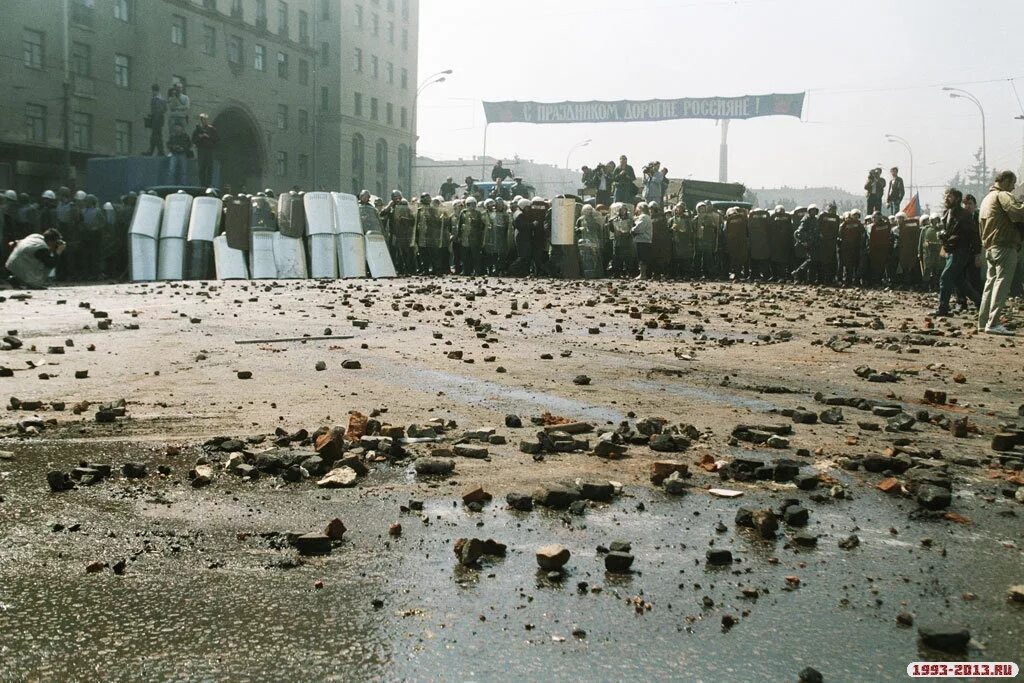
[[290, 257], [563, 221], [262, 265], [171, 259], [205, 219], [177, 209], [346, 210], [319, 213], [378, 257], [352, 255], [143, 264], [146, 218], [230, 263], [323, 260]]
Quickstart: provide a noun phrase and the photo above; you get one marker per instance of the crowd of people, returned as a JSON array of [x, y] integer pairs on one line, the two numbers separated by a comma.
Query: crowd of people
[[968, 252], [174, 110]]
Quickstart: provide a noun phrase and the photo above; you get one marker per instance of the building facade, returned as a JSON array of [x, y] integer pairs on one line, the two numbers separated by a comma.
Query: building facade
[[275, 76], [377, 94]]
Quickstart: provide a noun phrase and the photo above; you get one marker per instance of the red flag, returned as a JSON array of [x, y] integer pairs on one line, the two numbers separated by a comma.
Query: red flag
[[913, 207]]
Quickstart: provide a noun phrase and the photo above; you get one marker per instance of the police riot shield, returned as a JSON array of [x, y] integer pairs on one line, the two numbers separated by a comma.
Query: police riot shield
[[323, 257], [298, 228], [319, 209], [198, 260], [177, 209], [143, 262], [146, 218], [262, 265], [284, 212], [262, 216], [910, 234], [563, 221], [351, 255], [378, 257], [230, 263], [293, 223], [590, 258], [204, 219], [290, 257], [346, 212], [236, 224], [171, 259]]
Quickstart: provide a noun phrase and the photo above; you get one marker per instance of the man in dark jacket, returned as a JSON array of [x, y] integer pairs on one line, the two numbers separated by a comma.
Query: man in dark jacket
[[958, 241], [624, 181], [204, 137], [180, 147], [157, 112], [448, 189], [896, 192], [873, 190], [499, 172]]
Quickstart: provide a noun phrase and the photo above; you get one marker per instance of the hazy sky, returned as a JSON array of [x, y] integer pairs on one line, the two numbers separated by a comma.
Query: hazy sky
[[870, 67]]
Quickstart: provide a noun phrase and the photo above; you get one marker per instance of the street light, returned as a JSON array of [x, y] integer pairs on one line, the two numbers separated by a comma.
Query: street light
[[897, 139], [963, 94], [439, 77], [573, 149]]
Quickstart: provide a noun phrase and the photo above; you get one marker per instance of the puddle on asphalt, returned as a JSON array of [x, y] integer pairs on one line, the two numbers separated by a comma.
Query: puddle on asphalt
[[503, 398]]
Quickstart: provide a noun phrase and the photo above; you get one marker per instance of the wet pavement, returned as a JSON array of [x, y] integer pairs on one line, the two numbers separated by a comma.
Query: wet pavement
[[212, 590]]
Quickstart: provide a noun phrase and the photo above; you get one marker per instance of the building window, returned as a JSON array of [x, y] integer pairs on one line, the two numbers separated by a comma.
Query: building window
[[303, 72], [403, 167], [209, 40], [32, 48], [391, 73], [261, 13], [81, 130], [303, 166], [235, 50], [325, 53], [375, 66], [325, 9], [405, 117], [325, 98], [382, 158], [303, 121], [375, 25], [282, 117], [357, 104], [358, 162], [81, 59], [389, 114], [281, 165], [236, 9], [122, 71], [178, 30], [282, 65], [373, 109], [405, 79], [122, 10], [282, 18], [259, 58], [357, 59], [391, 32], [303, 27], [405, 39], [82, 12], [359, 16], [123, 137], [405, 9], [210, 4], [35, 123]]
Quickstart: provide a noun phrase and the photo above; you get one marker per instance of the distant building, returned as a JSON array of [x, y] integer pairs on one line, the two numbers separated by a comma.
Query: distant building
[[273, 75]]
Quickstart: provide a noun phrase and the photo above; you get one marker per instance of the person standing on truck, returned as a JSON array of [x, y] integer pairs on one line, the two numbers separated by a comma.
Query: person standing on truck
[[448, 189], [177, 106], [180, 146], [602, 179], [499, 172], [204, 137], [624, 181], [155, 121], [896, 191]]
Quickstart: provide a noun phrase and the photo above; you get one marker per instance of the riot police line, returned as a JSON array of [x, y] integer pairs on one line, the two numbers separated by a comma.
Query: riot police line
[[332, 234]]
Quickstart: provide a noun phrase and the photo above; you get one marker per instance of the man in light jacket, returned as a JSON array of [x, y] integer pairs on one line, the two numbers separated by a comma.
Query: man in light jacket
[[1001, 242]]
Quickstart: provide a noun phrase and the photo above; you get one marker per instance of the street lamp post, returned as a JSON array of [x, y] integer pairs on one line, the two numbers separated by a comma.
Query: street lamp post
[[439, 77], [897, 139], [573, 149], [963, 94]]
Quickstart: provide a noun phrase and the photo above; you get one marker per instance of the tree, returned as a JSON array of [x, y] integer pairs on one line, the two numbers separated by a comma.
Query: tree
[[973, 181]]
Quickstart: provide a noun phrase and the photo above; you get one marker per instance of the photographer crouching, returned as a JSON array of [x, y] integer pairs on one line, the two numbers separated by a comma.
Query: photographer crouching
[[33, 258]]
